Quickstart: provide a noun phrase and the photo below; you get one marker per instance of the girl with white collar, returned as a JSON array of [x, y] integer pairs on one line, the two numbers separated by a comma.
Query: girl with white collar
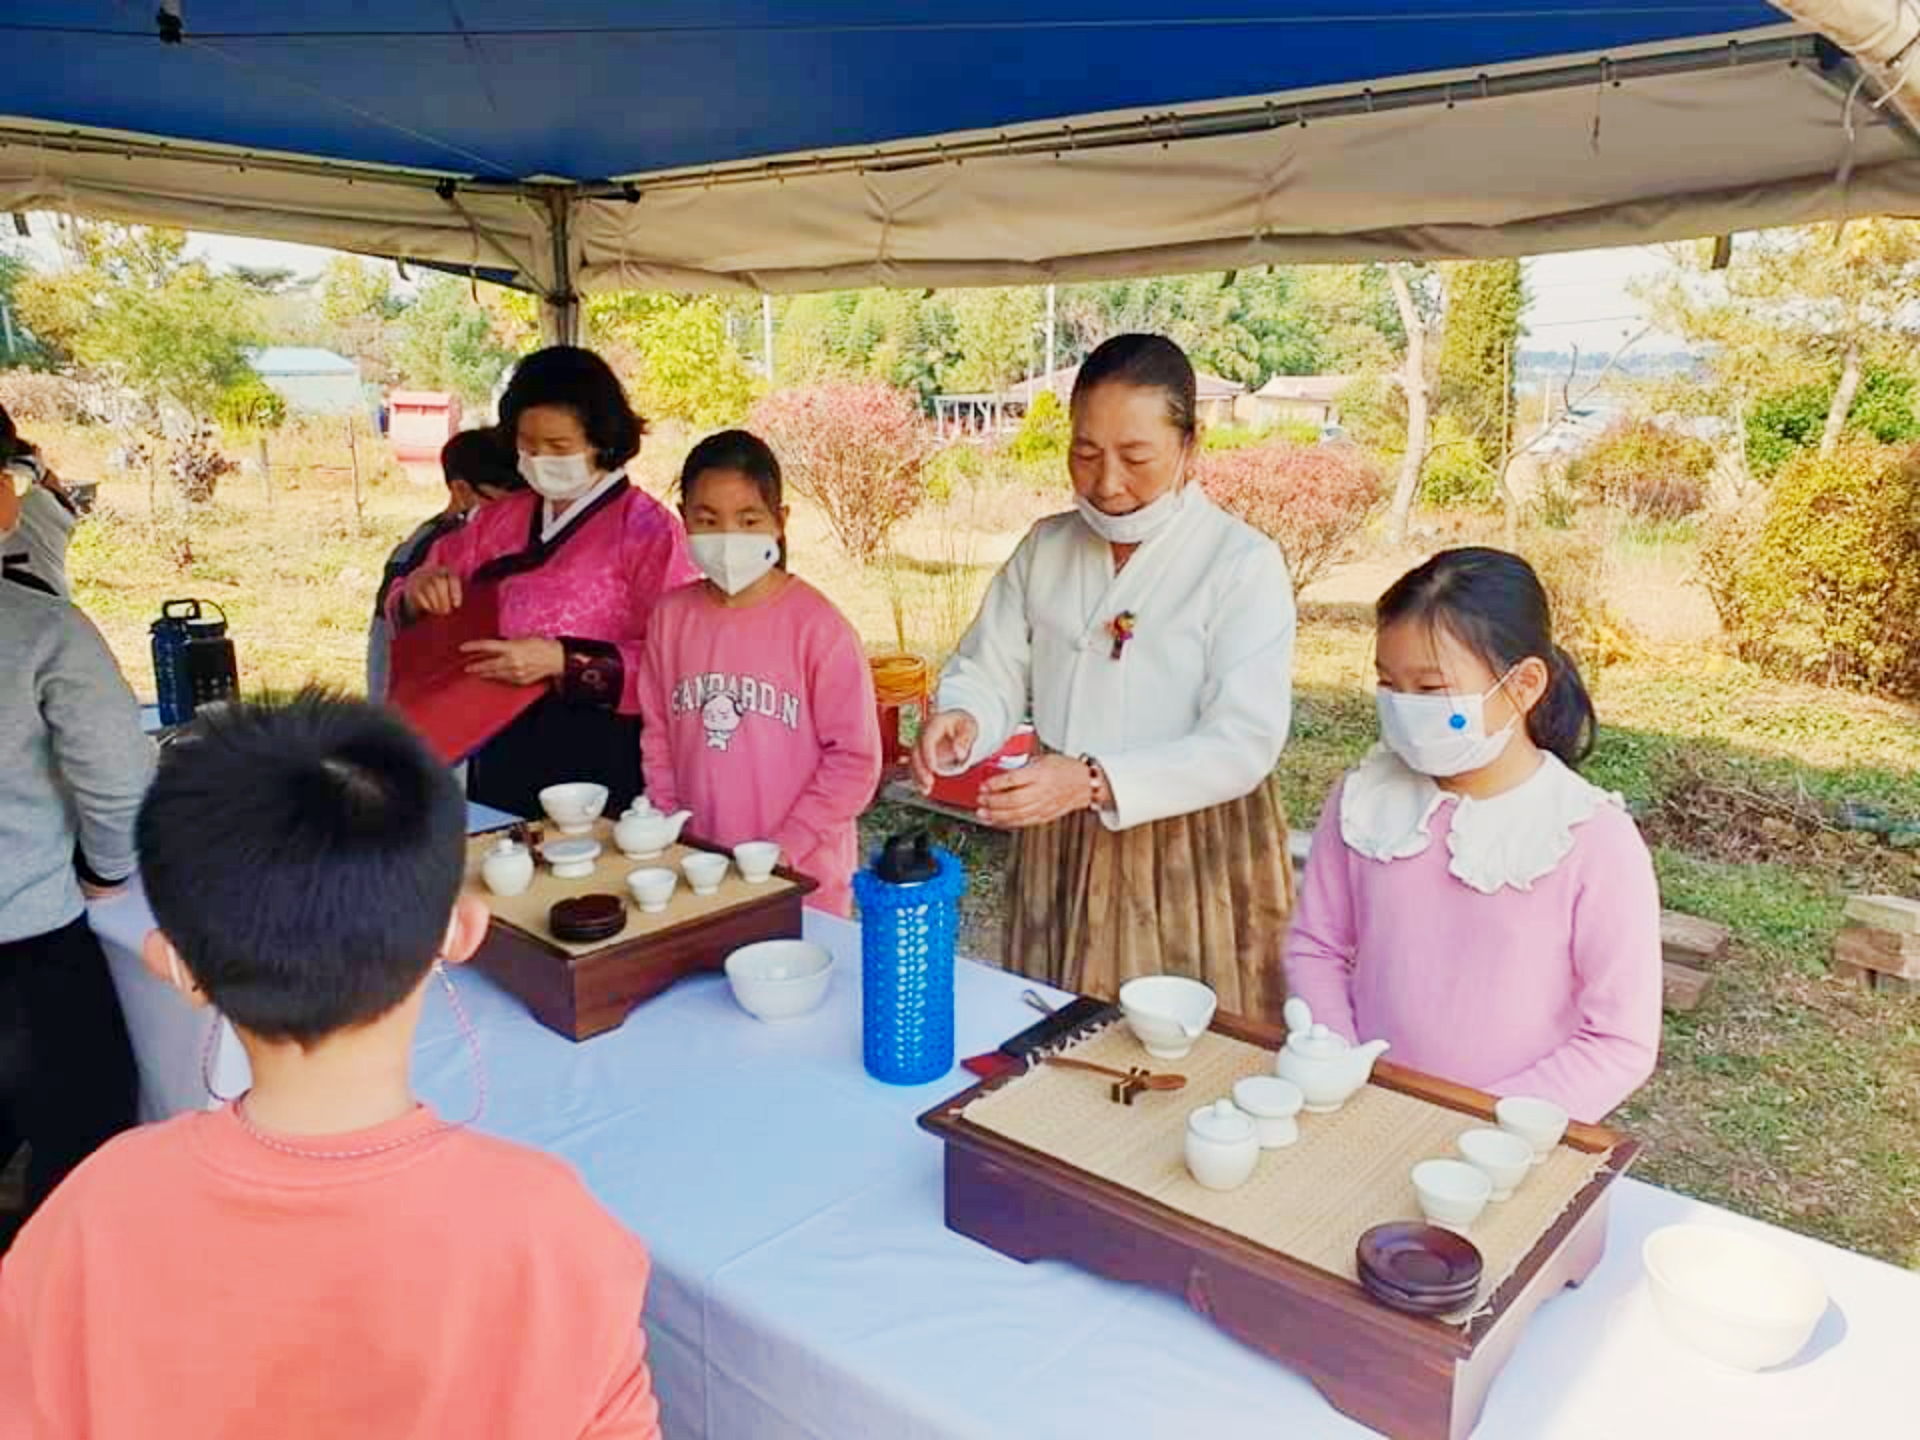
[[1469, 897]]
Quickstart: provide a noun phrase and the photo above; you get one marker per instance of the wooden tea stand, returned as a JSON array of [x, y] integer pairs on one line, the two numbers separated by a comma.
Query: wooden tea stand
[[584, 990], [1407, 1377]]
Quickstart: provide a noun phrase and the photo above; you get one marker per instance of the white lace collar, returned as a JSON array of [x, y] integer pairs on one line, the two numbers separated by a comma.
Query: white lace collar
[[1508, 842]]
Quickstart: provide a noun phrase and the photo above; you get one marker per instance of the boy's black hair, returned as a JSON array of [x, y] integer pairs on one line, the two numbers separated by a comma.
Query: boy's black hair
[[1493, 603], [485, 459], [304, 859], [746, 452], [581, 381], [1149, 362]]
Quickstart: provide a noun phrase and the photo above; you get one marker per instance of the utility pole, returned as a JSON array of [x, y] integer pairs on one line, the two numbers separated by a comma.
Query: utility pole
[[766, 332], [1050, 383]]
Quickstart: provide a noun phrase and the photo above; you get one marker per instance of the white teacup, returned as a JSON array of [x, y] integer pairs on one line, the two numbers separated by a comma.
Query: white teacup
[[756, 859], [1540, 1123], [704, 872], [1452, 1193], [1505, 1158], [653, 888]]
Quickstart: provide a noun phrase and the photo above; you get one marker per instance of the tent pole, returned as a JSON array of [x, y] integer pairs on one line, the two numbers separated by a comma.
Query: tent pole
[[766, 331], [560, 306], [1052, 384]]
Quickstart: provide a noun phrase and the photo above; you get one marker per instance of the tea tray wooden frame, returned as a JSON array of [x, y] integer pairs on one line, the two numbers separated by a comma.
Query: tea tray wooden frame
[[1406, 1377], [583, 995]]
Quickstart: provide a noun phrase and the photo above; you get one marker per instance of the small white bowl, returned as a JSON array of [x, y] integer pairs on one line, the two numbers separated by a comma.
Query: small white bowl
[[574, 806], [1274, 1105], [1452, 1193], [571, 859], [1540, 1123], [1733, 1297], [779, 979], [756, 859], [1505, 1158], [653, 888], [704, 872], [1167, 1013]]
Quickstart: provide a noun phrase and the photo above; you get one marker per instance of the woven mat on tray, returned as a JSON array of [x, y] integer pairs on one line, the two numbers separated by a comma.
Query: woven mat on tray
[[1348, 1172], [528, 910]]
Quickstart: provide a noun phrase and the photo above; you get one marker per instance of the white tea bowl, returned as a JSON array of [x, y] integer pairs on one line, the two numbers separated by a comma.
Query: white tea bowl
[[1505, 1158], [1452, 1193], [1735, 1298], [705, 871], [756, 859], [653, 888], [1540, 1123], [1167, 1013], [574, 806], [779, 979]]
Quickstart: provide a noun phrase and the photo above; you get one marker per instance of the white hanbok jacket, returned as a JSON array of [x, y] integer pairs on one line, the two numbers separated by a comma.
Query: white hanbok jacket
[[1194, 712]]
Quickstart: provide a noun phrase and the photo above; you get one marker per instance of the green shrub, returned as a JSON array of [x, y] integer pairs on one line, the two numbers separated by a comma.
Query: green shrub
[[1045, 431], [1829, 588], [1456, 473], [1645, 469], [1782, 425]]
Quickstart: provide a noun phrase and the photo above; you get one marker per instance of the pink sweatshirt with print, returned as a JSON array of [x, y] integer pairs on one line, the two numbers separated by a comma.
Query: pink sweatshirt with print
[[1552, 991], [761, 721]]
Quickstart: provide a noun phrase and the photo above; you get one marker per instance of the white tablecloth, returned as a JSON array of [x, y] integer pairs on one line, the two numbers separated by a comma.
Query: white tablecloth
[[805, 1285]]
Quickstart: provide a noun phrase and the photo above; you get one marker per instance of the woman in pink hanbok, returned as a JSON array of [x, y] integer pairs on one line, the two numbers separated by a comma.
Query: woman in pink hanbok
[[579, 559]]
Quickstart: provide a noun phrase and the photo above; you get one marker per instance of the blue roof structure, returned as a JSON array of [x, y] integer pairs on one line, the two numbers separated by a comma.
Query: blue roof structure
[[286, 360]]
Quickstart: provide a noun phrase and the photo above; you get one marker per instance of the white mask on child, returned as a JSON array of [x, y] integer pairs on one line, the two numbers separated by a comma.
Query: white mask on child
[[734, 559], [557, 477], [1442, 735]]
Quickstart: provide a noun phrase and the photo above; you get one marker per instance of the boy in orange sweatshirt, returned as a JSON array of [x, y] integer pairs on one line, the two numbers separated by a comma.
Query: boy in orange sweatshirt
[[323, 1256]]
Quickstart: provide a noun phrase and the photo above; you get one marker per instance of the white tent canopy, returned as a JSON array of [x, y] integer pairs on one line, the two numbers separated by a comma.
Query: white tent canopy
[[1677, 137]]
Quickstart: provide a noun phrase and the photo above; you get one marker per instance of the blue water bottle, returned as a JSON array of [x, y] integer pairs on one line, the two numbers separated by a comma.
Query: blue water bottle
[[173, 686], [909, 925]]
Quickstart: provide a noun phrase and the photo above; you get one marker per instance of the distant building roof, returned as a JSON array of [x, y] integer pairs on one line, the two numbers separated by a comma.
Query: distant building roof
[[299, 360], [1207, 387], [1320, 389]]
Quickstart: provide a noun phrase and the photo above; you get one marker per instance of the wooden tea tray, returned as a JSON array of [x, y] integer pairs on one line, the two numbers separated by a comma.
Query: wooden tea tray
[[1407, 1377], [584, 990]]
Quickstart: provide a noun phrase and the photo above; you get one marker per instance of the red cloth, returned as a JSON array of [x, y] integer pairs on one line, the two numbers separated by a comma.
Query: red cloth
[[190, 1283], [454, 712]]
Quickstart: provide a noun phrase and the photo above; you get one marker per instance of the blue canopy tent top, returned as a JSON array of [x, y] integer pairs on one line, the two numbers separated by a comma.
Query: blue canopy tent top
[[728, 145]]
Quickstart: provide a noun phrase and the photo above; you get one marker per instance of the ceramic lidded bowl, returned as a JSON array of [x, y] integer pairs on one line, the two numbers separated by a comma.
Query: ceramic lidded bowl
[[574, 806], [1167, 1013], [1222, 1147]]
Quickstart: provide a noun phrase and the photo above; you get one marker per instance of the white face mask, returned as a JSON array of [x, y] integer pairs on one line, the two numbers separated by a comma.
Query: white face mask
[[734, 559], [1441, 735], [558, 477], [1136, 527]]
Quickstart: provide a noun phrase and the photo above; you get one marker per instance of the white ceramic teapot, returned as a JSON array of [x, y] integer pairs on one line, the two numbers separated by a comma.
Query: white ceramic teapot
[[643, 835], [1327, 1069]]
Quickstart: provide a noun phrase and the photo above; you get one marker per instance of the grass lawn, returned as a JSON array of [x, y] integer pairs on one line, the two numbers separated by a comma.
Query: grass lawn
[[1788, 1095]]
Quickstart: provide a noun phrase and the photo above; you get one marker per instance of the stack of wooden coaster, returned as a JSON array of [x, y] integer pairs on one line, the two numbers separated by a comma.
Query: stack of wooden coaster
[[1879, 946]]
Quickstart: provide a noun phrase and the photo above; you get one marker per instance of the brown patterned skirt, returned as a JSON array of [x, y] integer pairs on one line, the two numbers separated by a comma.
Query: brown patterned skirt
[[1206, 895]]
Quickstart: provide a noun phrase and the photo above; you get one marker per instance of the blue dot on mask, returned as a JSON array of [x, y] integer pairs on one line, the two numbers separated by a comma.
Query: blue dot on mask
[[1457, 721]]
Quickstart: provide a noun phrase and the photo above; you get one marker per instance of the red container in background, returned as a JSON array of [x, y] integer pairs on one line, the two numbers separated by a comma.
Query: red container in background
[[962, 791], [419, 423]]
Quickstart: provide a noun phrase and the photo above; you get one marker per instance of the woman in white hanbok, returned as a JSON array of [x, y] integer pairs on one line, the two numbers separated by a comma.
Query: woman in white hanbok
[[1149, 635]]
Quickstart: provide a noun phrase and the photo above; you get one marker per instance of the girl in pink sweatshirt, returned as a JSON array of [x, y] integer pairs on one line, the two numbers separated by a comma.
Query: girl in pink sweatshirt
[[1468, 896], [757, 703]]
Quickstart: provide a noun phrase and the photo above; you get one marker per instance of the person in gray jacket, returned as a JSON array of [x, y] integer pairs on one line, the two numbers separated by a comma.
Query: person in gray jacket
[[35, 552], [73, 768]]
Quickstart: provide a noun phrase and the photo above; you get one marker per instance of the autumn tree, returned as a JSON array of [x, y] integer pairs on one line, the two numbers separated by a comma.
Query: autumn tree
[[445, 341], [682, 361], [357, 308], [1485, 300]]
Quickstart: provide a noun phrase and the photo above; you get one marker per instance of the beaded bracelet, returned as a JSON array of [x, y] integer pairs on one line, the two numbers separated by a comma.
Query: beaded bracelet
[[1094, 782]]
